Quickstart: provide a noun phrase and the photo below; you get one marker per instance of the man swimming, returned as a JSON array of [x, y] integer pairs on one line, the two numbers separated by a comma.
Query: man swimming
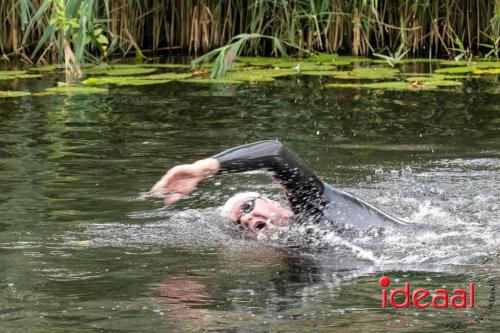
[[308, 196]]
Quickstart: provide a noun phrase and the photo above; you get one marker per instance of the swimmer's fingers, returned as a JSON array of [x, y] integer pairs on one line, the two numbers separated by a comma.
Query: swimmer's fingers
[[180, 179], [172, 198]]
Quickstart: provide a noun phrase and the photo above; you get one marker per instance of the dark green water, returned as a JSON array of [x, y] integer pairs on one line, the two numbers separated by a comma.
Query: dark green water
[[82, 249]]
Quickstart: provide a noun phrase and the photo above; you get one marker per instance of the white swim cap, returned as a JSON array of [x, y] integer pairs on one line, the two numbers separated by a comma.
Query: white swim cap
[[225, 210]]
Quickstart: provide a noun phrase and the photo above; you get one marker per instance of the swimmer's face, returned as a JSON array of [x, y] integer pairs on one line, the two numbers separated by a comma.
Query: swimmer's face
[[260, 214]]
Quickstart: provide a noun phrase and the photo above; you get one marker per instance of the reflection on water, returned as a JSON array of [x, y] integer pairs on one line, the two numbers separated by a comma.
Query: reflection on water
[[81, 249]]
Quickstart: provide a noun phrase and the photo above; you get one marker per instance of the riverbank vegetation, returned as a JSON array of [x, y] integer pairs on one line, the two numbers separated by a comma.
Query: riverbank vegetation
[[74, 32]]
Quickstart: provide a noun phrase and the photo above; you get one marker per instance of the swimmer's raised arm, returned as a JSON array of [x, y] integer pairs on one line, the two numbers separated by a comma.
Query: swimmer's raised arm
[[182, 179], [301, 186]]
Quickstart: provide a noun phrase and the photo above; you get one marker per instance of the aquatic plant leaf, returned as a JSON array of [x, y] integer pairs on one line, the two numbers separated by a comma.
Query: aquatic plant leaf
[[399, 85], [208, 80], [47, 68], [352, 59], [460, 63], [20, 76], [166, 65], [438, 83], [118, 71], [367, 73], [396, 85], [168, 76], [259, 75], [487, 71], [121, 81], [437, 77], [320, 73], [266, 61], [323, 57], [7, 94], [456, 70], [344, 85], [73, 90], [487, 64], [10, 73], [478, 64]]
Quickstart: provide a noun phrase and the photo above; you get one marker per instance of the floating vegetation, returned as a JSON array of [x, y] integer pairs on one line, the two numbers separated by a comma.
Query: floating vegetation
[[456, 70], [408, 61], [47, 68], [460, 63], [437, 82], [124, 71], [336, 60], [478, 63], [166, 65], [487, 71], [136, 80], [368, 73], [396, 85], [8, 73], [433, 77], [7, 94], [222, 80], [259, 75], [487, 64], [11, 75], [74, 90], [168, 76], [323, 57], [320, 73], [267, 61], [122, 81], [470, 67]]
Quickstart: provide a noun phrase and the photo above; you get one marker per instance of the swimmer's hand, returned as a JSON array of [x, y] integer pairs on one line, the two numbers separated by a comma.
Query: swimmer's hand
[[182, 179]]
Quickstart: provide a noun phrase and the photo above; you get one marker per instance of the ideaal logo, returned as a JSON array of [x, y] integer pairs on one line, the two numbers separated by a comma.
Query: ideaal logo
[[422, 298], [459, 298]]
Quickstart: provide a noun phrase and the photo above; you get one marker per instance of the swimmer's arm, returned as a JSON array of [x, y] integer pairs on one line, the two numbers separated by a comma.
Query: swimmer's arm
[[182, 179], [302, 187]]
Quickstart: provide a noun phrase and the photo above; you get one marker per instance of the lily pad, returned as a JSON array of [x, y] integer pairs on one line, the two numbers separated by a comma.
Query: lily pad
[[456, 70], [121, 81], [438, 83], [267, 61], [460, 63], [368, 73], [259, 75], [211, 81], [168, 76], [320, 73], [47, 68], [436, 77], [119, 71], [166, 65], [10, 73], [396, 85], [323, 57], [7, 94], [487, 64], [352, 59], [72, 90], [476, 63], [487, 71], [20, 76], [336, 60]]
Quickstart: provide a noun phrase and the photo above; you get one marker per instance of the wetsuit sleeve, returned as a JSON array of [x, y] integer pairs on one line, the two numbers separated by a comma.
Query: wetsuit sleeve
[[303, 189]]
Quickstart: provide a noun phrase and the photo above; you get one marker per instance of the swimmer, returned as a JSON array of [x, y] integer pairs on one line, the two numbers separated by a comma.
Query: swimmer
[[308, 196]]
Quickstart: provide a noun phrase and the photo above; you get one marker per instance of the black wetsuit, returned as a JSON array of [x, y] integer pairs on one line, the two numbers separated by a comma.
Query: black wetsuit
[[308, 195]]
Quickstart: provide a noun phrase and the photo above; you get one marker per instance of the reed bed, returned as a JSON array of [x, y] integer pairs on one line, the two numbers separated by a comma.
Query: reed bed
[[425, 28]]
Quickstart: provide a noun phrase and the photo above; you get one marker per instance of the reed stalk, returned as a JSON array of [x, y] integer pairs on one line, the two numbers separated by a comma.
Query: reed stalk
[[359, 27]]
